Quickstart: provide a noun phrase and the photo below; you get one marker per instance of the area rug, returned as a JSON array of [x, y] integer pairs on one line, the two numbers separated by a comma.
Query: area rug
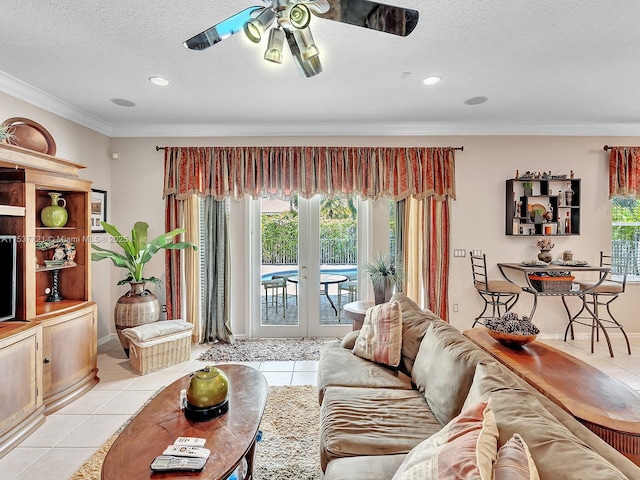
[[265, 350], [289, 448]]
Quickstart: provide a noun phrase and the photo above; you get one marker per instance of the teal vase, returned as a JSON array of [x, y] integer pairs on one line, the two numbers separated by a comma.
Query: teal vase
[[55, 215]]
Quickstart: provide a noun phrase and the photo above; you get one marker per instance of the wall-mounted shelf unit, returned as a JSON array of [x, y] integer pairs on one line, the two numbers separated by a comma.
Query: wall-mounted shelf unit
[[545, 208]]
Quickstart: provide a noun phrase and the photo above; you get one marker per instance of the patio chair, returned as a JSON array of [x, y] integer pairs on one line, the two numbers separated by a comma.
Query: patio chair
[[278, 289], [350, 287], [603, 295], [497, 293]]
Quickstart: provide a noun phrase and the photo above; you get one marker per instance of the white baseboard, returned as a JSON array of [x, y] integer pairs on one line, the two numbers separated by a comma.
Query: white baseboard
[[107, 338]]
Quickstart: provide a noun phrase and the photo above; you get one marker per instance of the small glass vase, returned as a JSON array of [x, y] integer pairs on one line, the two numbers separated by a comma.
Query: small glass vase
[[545, 256]]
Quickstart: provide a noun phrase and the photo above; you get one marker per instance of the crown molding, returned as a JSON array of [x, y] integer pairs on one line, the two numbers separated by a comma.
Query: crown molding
[[372, 129], [23, 91]]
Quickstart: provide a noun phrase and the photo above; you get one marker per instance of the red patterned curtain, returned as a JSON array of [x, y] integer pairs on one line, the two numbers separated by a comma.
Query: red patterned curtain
[[425, 173], [370, 172], [172, 266], [624, 172]]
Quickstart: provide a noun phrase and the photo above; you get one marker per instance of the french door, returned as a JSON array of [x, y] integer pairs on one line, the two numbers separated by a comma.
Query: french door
[[299, 295]]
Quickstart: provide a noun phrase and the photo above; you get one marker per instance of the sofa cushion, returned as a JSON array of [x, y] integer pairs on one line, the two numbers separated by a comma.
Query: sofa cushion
[[339, 367], [555, 450], [380, 338], [379, 467], [444, 369], [415, 322], [372, 421], [464, 449], [514, 461]]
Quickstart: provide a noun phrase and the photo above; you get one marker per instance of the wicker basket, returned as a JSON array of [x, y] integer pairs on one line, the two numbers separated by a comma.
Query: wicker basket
[[551, 284], [159, 353]]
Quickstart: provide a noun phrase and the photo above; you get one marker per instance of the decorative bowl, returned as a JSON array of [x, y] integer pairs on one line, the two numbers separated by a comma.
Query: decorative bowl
[[511, 340]]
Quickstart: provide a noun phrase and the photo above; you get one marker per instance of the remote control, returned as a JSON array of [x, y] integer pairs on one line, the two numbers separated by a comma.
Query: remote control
[[187, 451], [165, 463], [190, 442]]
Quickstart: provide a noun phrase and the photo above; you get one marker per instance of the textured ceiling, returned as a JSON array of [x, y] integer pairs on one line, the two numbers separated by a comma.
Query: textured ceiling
[[548, 67]]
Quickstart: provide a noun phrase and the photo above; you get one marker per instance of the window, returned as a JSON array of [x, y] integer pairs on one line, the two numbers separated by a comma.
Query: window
[[625, 233]]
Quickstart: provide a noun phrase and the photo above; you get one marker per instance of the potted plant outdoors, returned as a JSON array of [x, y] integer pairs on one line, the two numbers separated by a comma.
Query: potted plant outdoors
[[385, 274], [138, 306]]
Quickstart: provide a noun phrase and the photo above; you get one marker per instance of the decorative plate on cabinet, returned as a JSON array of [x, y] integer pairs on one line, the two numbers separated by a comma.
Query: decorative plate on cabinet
[[31, 135]]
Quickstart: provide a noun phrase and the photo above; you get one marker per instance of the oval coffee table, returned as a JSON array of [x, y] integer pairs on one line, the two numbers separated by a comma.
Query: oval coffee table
[[230, 437]]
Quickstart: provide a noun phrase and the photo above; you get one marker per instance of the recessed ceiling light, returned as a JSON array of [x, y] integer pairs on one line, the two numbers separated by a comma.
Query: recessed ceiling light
[[432, 80], [163, 82], [476, 100], [123, 102]]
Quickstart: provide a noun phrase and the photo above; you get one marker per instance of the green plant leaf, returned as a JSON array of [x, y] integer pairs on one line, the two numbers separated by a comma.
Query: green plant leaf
[[137, 252]]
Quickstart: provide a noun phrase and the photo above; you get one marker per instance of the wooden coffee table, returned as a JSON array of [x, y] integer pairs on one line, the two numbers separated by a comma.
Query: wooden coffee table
[[230, 437], [603, 404]]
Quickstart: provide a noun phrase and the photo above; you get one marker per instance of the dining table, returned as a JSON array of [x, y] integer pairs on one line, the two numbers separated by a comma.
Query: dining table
[[521, 273]]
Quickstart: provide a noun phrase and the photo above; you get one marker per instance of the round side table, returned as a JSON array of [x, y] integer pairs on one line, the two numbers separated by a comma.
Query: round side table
[[356, 312]]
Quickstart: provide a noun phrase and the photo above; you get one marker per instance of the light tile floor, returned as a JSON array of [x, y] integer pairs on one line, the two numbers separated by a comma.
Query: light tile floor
[[69, 437]]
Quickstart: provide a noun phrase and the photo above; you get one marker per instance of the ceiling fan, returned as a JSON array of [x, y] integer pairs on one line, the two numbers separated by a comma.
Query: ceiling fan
[[290, 19]]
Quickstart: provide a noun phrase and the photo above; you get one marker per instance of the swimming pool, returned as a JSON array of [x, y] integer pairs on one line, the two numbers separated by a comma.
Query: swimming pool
[[338, 271]]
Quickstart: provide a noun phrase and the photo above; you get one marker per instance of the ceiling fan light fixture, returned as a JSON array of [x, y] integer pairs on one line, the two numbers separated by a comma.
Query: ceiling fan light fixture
[[274, 46], [254, 29], [304, 39], [299, 15]]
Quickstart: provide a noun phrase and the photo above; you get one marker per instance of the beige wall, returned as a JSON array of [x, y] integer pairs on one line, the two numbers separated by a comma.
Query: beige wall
[[134, 183]]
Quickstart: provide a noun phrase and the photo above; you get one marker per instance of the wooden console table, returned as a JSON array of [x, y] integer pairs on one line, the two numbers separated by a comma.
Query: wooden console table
[[603, 404]]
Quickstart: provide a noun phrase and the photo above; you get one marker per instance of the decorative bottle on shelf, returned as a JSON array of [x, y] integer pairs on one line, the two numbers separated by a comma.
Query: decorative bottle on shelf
[[560, 198], [568, 193], [567, 224], [55, 215], [560, 229]]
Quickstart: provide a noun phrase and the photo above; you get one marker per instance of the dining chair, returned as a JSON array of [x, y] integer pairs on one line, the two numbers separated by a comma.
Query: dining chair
[[350, 287], [603, 295], [497, 293]]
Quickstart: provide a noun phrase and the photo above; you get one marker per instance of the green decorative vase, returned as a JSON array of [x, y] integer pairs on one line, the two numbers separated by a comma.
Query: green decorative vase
[[207, 395], [55, 215], [208, 387]]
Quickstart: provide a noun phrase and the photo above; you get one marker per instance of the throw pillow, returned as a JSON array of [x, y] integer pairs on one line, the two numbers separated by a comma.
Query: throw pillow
[[349, 340], [380, 338], [514, 461], [415, 322], [464, 449]]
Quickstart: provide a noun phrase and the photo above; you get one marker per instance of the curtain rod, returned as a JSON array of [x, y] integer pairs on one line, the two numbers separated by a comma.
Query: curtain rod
[[611, 147], [461, 148]]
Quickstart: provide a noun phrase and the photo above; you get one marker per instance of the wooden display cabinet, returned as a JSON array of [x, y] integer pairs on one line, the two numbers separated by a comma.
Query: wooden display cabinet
[[67, 357], [21, 407]]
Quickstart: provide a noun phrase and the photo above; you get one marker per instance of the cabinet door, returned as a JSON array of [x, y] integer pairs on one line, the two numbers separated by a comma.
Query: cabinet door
[[19, 395], [69, 357]]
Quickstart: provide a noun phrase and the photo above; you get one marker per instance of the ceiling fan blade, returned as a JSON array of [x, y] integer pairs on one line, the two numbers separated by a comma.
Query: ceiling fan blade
[[373, 15], [221, 30], [307, 68], [320, 6]]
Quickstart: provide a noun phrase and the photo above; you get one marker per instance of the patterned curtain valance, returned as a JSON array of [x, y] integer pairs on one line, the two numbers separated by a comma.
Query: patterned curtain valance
[[624, 172], [371, 172]]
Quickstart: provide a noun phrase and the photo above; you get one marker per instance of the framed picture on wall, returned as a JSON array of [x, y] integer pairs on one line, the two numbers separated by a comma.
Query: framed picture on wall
[[98, 210]]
